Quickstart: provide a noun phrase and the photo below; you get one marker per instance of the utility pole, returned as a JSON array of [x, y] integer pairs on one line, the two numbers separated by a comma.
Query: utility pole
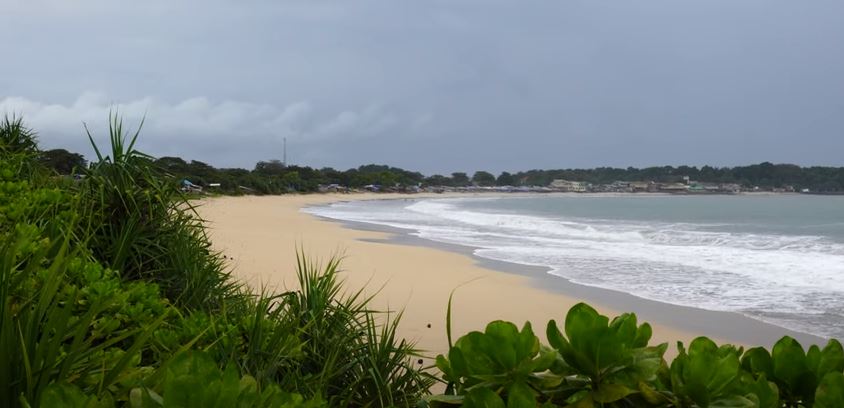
[[284, 159]]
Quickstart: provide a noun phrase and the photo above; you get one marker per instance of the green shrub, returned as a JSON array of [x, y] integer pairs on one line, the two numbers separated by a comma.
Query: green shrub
[[141, 225], [349, 355], [600, 362], [83, 321], [63, 318], [110, 295]]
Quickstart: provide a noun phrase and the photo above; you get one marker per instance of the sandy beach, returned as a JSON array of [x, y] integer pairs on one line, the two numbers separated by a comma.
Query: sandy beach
[[261, 235]]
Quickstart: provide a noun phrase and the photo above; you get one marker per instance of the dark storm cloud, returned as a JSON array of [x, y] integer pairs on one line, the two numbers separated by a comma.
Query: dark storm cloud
[[438, 86]]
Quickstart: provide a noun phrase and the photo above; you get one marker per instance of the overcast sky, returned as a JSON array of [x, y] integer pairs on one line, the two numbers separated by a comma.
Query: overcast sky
[[436, 86]]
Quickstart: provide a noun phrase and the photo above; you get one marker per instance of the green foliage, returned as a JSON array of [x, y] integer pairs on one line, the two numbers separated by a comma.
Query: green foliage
[[192, 379], [764, 175], [110, 295], [62, 161], [18, 149], [500, 357], [830, 392], [506, 179], [611, 358], [483, 178], [16, 138], [796, 373], [459, 179], [150, 230], [64, 318], [709, 376], [348, 356], [600, 362], [83, 322]]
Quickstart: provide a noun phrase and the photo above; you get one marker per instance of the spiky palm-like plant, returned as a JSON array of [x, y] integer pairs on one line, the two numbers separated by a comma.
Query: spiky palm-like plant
[[144, 227], [15, 137]]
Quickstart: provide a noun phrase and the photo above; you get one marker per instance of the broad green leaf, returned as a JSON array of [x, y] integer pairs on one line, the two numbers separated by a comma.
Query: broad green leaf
[[575, 360], [830, 392], [546, 380], [789, 361], [519, 395], [459, 366], [645, 363], [528, 344], [68, 396], [610, 393], [624, 328], [706, 373], [445, 366], [544, 361], [483, 398], [583, 325], [446, 399], [643, 335], [758, 361], [831, 360], [727, 371], [501, 343], [651, 395], [229, 390], [248, 385], [585, 402], [766, 392], [703, 345], [813, 358], [735, 401], [555, 337]]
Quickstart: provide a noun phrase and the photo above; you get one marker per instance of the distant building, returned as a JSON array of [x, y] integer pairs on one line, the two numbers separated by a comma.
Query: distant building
[[673, 187], [332, 188], [568, 186], [695, 187], [640, 186], [731, 188]]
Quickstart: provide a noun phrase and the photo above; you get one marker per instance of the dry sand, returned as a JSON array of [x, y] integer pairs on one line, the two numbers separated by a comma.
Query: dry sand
[[262, 234]]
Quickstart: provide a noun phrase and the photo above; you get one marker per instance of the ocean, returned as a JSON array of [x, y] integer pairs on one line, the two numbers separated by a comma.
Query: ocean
[[776, 258]]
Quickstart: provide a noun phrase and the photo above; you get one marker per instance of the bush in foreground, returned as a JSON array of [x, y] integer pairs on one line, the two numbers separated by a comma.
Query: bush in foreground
[[112, 296], [598, 362]]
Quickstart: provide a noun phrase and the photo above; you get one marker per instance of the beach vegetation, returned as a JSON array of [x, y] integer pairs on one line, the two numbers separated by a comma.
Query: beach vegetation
[[483, 179], [460, 179], [600, 362], [62, 161], [112, 295], [276, 177]]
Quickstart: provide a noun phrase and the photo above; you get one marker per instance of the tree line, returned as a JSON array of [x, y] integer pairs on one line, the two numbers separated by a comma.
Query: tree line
[[274, 177]]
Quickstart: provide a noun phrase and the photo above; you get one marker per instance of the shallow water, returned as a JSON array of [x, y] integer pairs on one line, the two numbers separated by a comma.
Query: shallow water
[[776, 258]]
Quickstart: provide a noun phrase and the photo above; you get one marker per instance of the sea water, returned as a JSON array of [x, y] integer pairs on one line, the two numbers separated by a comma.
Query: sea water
[[777, 258]]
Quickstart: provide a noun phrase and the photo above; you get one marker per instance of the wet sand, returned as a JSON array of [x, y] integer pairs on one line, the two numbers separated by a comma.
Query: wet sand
[[262, 234]]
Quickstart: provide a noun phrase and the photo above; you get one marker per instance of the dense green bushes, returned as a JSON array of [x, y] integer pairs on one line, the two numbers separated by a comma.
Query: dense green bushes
[[140, 225], [601, 363], [112, 296]]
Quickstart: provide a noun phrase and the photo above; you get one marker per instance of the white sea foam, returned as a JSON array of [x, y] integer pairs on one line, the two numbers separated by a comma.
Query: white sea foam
[[776, 277]]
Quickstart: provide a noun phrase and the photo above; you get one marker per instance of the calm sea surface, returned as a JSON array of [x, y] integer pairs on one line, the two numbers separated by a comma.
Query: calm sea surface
[[775, 258]]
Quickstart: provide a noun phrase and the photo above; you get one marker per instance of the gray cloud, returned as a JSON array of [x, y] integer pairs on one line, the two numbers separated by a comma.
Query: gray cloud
[[438, 86], [227, 133]]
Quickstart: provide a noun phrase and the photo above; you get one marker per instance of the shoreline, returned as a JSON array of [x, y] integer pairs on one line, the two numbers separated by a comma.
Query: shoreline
[[261, 234], [748, 331], [752, 332]]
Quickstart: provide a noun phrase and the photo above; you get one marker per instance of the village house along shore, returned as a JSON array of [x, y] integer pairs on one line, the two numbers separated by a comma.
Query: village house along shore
[[568, 186]]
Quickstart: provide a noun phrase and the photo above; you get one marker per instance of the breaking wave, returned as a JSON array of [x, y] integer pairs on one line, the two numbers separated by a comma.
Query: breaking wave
[[796, 281]]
